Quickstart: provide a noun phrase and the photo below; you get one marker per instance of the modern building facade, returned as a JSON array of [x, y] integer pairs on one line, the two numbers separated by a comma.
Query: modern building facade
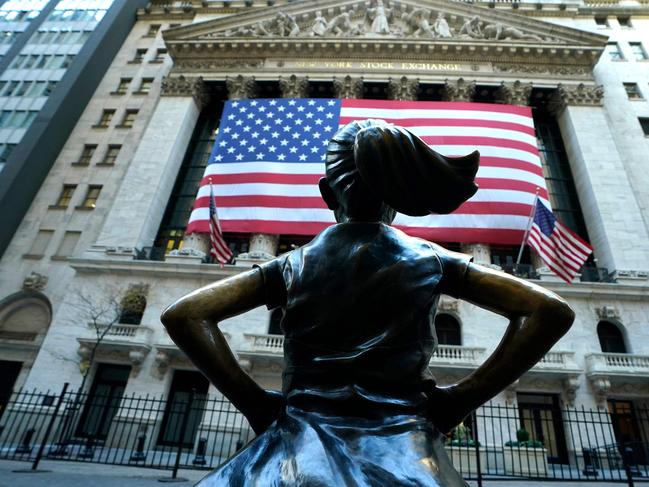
[[53, 54], [108, 221]]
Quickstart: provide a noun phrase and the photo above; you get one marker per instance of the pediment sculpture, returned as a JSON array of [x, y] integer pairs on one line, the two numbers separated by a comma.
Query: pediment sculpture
[[378, 19]]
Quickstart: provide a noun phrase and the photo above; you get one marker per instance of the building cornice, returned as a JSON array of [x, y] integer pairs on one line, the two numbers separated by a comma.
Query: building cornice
[[210, 272]]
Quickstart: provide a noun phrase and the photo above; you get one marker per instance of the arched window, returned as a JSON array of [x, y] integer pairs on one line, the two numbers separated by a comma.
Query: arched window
[[448, 330], [274, 327], [610, 337], [24, 316]]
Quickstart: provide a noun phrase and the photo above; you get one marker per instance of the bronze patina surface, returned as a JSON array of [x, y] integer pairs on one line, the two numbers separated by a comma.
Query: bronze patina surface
[[358, 405]]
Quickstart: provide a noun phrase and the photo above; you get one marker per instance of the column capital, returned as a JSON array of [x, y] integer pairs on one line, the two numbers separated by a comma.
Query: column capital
[[516, 93], [348, 87], [580, 95], [403, 88], [185, 86], [241, 87], [294, 86], [460, 90]]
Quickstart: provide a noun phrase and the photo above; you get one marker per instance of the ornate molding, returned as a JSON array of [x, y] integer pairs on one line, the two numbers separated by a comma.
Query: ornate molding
[[403, 88], [294, 86], [459, 90], [34, 282], [185, 86], [570, 386], [448, 304], [580, 95], [510, 392], [348, 87], [601, 386], [563, 70], [241, 87], [516, 93], [210, 64], [607, 312]]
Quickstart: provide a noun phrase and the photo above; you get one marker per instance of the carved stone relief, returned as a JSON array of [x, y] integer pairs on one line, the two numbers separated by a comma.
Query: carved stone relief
[[581, 94], [35, 282], [515, 93], [383, 18], [185, 86], [348, 87], [294, 86], [241, 87], [212, 64], [564, 70], [403, 88], [608, 312], [459, 90]]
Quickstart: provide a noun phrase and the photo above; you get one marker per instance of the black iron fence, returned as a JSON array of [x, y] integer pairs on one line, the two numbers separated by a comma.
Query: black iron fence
[[195, 431]]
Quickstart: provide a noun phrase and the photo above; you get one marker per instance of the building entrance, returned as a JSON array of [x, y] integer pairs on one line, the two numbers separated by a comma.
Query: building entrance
[[8, 374], [540, 415]]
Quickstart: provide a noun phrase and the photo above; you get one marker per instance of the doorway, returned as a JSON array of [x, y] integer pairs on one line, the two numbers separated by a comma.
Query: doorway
[[184, 382], [103, 400], [8, 374], [626, 429], [541, 416]]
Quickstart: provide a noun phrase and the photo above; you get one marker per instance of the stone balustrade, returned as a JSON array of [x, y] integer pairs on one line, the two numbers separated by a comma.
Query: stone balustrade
[[118, 331], [273, 344], [457, 356], [617, 364]]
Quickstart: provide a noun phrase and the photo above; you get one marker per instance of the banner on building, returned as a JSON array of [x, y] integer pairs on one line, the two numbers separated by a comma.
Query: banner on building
[[269, 155]]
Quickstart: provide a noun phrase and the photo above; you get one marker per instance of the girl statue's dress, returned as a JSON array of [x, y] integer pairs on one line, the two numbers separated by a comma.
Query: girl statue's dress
[[359, 406], [356, 373]]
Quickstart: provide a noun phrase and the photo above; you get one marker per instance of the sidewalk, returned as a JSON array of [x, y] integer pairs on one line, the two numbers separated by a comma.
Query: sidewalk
[[71, 474]]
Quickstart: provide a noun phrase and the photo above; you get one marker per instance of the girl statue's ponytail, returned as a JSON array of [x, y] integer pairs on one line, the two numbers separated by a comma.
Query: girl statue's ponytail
[[372, 158]]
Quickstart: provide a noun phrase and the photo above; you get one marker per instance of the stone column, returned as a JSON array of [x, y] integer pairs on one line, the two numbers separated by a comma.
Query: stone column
[[294, 86], [348, 87], [515, 93], [611, 211], [403, 88], [481, 252], [134, 219], [459, 90]]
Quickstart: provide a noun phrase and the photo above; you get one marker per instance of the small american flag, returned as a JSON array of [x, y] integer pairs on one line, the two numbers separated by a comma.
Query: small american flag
[[269, 154], [562, 250], [218, 248]]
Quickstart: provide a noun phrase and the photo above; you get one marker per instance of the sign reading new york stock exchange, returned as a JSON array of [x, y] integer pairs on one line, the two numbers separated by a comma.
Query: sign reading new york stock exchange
[[382, 66]]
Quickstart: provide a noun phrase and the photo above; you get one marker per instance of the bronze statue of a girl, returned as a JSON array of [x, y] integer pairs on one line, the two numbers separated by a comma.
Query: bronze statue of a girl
[[359, 406]]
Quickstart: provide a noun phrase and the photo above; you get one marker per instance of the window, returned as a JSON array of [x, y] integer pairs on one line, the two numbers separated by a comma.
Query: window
[[42, 62], [153, 30], [145, 85], [67, 245], [129, 118], [633, 91], [171, 26], [105, 119], [601, 20], [111, 154], [66, 196], [614, 52], [123, 85], [447, 329], [5, 152], [5, 115], [638, 51], [90, 201], [624, 21], [159, 56], [30, 61], [37, 88], [139, 56], [610, 337], [18, 62], [644, 123], [274, 327], [11, 87], [22, 88], [86, 154], [49, 88], [40, 243]]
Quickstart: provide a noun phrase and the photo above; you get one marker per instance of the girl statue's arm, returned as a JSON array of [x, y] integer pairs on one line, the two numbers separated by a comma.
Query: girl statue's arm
[[192, 323], [537, 319]]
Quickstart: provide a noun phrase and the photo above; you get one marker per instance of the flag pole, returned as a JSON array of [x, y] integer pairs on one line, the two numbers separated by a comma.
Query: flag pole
[[529, 227]]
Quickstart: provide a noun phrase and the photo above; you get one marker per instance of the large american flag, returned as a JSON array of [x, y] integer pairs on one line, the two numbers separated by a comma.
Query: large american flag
[[562, 250], [269, 155]]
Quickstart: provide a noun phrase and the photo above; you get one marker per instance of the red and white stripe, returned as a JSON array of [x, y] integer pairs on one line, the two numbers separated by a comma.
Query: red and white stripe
[[563, 251], [283, 198], [218, 248]]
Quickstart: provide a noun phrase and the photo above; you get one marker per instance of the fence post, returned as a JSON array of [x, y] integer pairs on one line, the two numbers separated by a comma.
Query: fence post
[[41, 449], [627, 457], [477, 447], [183, 427]]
